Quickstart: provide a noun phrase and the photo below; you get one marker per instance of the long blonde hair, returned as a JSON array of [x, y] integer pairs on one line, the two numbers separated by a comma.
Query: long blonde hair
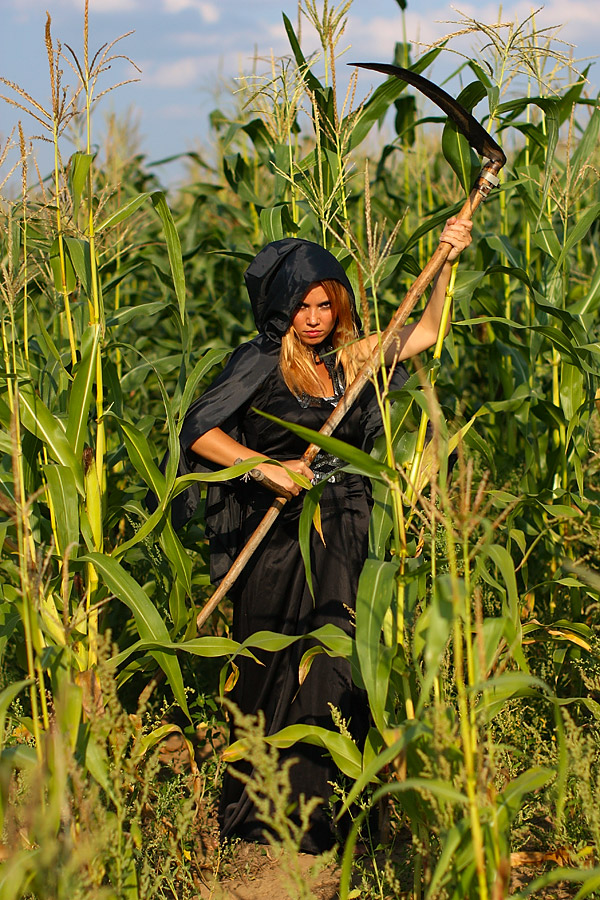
[[297, 361]]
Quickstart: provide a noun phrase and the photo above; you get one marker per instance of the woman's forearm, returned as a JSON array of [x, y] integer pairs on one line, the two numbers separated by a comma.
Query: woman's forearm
[[421, 335], [218, 447]]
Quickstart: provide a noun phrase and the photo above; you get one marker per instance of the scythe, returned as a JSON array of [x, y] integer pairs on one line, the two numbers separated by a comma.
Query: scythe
[[483, 143]]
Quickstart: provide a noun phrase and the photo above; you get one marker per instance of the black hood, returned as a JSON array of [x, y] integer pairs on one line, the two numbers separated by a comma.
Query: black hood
[[279, 276]]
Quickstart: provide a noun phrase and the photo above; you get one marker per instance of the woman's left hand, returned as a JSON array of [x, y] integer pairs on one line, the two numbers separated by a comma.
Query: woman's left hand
[[458, 233]]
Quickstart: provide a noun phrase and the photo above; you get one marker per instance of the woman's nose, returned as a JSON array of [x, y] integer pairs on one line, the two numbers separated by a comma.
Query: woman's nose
[[312, 316]]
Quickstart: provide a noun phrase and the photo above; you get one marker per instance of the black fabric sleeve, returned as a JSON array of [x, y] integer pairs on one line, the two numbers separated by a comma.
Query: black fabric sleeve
[[218, 407]]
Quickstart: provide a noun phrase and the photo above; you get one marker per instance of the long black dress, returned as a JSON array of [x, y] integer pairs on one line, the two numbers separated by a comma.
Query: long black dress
[[273, 595]]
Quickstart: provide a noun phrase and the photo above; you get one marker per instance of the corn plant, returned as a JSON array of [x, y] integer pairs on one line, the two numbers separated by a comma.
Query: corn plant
[[478, 596]]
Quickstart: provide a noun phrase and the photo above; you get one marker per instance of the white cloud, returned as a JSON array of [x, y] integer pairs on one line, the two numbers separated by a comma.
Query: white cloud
[[179, 74], [174, 111], [110, 6], [208, 11], [376, 36], [96, 6]]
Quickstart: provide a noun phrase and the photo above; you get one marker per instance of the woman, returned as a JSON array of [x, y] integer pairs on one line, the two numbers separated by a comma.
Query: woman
[[308, 348]]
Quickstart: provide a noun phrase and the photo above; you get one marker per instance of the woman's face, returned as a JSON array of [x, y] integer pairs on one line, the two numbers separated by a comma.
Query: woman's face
[[313, 320]]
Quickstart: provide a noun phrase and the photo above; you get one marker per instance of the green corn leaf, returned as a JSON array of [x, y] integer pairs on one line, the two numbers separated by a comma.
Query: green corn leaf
[[343, 751], [37, 418], [154, 737], [381, 522], [360, 461], [336, 641], [504, 245], [578, 231], [585, 148], [276, 222], [124, 212], [149, 624], [381, 100], [210, 359], [68, 707], [258, 133], [177, 606], [510, 801], [80, 396], [78, 172], [284, 169], [572, 394], [492, 632], [55, 265], [65, 502], [537, 887], [48, 346], [408, 733], [455, 147], [159, 202], [305, 524], [544, 236], [149, 525], [96, 765], [140, 456], [7, 696], [126, 314], [452, 840], [312, 82], [432, 632], [79, 255], [374, 597], [440, 789], [177, 556], [590, 302], [18, 873], [551, 111], [209, 647], [504, 562]]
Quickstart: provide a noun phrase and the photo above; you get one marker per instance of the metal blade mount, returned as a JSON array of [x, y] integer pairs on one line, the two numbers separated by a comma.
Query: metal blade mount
[[467, 124]]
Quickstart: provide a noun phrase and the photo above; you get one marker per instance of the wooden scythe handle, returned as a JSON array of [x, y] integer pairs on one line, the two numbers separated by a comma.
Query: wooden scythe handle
[[486, 180]]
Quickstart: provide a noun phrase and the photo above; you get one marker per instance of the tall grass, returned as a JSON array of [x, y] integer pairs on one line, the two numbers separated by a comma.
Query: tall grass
[[478, 601]]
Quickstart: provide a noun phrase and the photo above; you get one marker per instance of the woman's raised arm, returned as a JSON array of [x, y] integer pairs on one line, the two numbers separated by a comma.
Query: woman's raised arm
[[421, 335]]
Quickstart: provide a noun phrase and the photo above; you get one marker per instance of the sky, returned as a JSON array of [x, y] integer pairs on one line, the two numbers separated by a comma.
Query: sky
[[190, 51]]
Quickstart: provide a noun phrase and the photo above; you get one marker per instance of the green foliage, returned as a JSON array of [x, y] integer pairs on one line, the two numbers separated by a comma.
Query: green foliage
[[132, 830], [268, 786]]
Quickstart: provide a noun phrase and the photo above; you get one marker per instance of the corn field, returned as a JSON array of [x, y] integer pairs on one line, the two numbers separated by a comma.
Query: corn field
[[478, 610]]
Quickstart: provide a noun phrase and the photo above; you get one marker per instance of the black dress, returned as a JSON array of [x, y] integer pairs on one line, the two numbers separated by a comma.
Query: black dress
[[273, 595]]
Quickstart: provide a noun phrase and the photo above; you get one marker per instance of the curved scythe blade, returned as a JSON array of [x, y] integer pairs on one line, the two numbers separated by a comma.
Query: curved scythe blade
[[467, 124]]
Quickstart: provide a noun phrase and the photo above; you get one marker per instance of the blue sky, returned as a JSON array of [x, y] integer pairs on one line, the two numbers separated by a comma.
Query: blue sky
[[190, 50]]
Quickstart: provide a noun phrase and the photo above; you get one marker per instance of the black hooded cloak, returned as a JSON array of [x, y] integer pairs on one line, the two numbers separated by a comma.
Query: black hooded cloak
[[276, 280], [272, 592]]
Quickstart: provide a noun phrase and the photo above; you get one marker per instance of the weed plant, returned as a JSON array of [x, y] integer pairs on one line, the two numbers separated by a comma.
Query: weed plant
[[137, 826]]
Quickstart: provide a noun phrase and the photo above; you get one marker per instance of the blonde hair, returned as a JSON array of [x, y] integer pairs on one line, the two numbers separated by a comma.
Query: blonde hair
[[296, 360]]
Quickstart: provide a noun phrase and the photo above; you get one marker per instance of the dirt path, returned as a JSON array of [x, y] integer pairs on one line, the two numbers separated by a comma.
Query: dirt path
[[257, 874]]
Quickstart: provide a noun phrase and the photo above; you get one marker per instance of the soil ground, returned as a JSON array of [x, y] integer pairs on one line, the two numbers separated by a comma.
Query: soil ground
[[255, 873]]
